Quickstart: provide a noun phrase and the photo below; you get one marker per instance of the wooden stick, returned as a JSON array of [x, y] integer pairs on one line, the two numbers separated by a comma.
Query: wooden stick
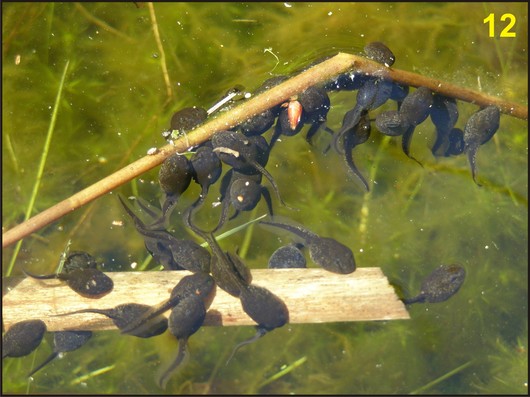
[[312, 296], [315, 75]]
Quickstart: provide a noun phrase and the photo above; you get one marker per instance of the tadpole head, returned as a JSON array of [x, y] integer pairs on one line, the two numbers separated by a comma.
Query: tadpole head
[[188, 118], [90, 283], [175, 174], [332, 255], [245, 194], [79, 260], [265, 308], [206, 166], [22, 338], [380, 53]]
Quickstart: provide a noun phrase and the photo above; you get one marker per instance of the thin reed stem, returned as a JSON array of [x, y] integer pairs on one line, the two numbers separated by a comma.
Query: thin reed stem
[[40, 170], [160, 47]]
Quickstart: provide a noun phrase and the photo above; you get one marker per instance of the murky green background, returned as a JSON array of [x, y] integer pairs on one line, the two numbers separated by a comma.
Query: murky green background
[[114, 107]]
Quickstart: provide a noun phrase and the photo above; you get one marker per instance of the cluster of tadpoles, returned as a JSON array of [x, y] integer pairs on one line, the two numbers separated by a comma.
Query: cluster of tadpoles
[[246, 152]]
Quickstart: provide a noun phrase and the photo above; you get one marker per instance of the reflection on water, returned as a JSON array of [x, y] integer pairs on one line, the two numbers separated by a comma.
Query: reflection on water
[[414, 219]]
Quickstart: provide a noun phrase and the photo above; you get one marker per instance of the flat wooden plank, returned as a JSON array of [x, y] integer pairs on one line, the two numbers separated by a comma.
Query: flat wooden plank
[[312, 296]]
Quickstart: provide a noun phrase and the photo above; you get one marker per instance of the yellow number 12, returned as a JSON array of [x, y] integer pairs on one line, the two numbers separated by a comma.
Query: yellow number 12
[[506, 31]]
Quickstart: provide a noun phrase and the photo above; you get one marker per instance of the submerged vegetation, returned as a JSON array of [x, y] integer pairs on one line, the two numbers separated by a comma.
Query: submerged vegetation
[[116, 101]]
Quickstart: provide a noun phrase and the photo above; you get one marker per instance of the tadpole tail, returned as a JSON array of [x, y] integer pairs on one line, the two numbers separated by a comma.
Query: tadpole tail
[[225, 206], [296, 230], [267, 196], [350, 120], [169, 205], [40, 276], [405, 143], [348, 155], [41, 365], [313, 130], [140, 226], [147, 231], [414, 299], [472, 157], [186, 217], [440, 136], [160, 222], [181, 355], [144, 205], [98, 311], [260, 332], [336, 139], [258, 166], [276, 134]]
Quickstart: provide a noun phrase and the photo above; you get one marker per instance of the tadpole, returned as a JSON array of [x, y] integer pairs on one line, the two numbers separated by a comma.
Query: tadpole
[[414, 110], [228, 269], [199, 284], [169, 251], [22, 338], [185, 319], [206, 168], [380, 53], [324, 251], [265, 308], [243, 192], [89, 282], [245, 154], [64, 341], [444, 115], [195, 294], [174, 178], [287, 257], [128, 313], [358, 135], [440, 285], [374, 93], [479, 129]]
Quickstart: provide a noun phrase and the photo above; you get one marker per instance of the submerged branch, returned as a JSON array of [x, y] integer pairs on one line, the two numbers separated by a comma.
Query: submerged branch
[[312, 296], [315, 75]]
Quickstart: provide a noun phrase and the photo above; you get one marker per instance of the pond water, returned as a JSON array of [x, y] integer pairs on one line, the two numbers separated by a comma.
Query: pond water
[[114, 106]]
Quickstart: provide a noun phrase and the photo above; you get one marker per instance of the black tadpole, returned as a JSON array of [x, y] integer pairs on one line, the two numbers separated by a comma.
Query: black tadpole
[[479, 129], [169, 251], [440, 285], [185, 319], [326, 252], [207, 169], [265, 308], [89, 282], [372, 94], [245, 154], [124, 315], [64, 341], [358, 135], [22, 338], [444, 115], [243, 192], [174, 178], [287, 257], [228, 269], [380, 53]]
